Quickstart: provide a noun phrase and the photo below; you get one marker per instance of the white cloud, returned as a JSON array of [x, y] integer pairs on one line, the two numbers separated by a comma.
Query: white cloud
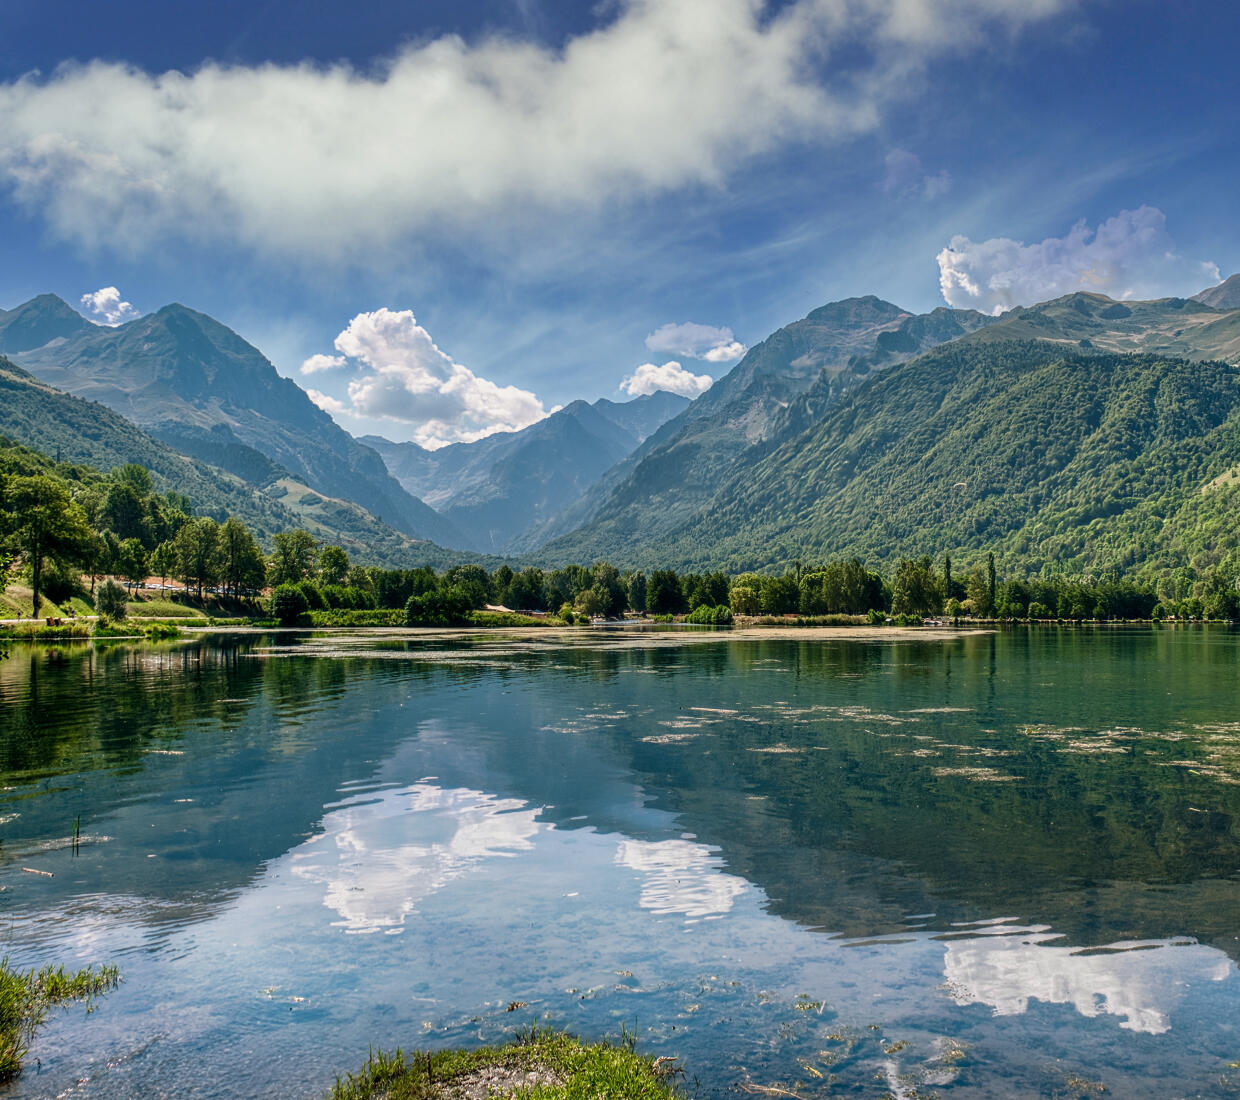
[[660, 95], [327, 403], [725, 353], [404, 376], [671, 376], [907, 178], [106, 305], [318, 363], [716, 345], [1130, 256]]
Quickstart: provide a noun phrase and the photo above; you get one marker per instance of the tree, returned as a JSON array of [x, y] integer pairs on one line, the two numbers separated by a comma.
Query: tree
[[294, 557], [288, 604], [48, 527], [164, 560], [611, 588], [472, 580], [124, 513], [637, 590], [527, 591], [663, 594], [917, 590], [744, 600], [241, 560], [333, 565], [198, 553], [110, 600], [131, 560]]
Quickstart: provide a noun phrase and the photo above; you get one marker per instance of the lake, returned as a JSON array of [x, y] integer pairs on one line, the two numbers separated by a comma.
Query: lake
[[996, 865]]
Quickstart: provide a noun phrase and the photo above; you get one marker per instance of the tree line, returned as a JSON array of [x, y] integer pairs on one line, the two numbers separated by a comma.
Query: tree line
[[73, 526]]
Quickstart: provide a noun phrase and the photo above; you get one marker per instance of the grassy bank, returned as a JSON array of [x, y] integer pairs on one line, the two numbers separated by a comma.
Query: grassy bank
[[28, 996], [543, 1065]]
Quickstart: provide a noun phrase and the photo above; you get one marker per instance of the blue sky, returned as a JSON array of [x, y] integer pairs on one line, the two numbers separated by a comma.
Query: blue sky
[[473, 212]]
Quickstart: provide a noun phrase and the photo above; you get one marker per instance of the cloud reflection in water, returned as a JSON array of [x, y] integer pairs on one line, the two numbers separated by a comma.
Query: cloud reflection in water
[[381, 853]]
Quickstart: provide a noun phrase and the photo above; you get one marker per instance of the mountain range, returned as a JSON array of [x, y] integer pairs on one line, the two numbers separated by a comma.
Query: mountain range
[[502, 489], [1082, 432]]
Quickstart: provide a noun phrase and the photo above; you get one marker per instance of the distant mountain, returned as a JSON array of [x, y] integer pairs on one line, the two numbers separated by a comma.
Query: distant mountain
[[1085, 460], [200, 387], [1166, 326], [70, 429], [779, 387], [499, 487], [1224, 296]]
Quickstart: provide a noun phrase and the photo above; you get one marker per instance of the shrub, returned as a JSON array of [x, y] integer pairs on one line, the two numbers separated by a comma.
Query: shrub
[[720, 615], [111, 600], [288, 604]]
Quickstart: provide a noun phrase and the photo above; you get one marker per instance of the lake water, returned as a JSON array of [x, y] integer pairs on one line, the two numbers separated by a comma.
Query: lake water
[[1000, 865]]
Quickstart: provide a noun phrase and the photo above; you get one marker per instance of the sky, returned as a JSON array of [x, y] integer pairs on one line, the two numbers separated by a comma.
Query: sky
[[447, 219]]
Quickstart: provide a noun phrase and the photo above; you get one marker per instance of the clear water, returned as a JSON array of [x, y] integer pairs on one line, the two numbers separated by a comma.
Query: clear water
[[996, 866]]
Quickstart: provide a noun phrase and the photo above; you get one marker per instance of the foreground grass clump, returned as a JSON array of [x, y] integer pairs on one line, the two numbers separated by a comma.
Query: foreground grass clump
[[565, 1068], [26, 998]]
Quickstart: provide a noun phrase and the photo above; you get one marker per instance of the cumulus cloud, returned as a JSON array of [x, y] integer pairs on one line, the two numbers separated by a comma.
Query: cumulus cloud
[[671, 376], [907, 178], [660, 95], [1129, 256], [318, 363], [327, 403], [715, 345], [107, 306], [402, 375]]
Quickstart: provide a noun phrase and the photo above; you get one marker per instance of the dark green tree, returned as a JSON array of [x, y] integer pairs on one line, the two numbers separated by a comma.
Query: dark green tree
[[241, 560], [293, 559], [198, 553], [333, 565], [47, 526]]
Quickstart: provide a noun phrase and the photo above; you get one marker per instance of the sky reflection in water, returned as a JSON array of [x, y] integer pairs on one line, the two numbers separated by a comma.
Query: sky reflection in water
[[806, 877]]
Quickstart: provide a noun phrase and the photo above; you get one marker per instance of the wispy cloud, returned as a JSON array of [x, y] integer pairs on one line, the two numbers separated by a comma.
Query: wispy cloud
[[1129, 256], [311, 159]]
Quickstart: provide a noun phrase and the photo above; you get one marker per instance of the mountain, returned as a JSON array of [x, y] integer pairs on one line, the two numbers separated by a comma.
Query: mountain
[[200, 387], [1080, 459], [1166, 326], [72, 430], [773, 392], [1224, 296], [497, 488]]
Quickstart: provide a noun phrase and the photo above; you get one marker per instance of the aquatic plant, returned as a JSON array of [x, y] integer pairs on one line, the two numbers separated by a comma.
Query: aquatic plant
[[26, 998]]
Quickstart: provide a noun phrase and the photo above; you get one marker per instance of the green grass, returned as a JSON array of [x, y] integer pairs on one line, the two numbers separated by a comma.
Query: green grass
[[27, 997], [160, 609], [39, 631], [511, 618], [587, 1071]]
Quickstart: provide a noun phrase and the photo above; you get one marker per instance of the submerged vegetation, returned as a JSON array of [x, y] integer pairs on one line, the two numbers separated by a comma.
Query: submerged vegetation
[[27, 997], [541, 1064]]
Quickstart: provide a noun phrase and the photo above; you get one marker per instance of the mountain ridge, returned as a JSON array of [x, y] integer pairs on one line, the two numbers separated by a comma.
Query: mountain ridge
[[179, 373]]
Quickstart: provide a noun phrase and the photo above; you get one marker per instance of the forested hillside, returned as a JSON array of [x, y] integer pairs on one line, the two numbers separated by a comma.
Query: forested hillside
[[1079, 461], [200, 387], [84, 433]]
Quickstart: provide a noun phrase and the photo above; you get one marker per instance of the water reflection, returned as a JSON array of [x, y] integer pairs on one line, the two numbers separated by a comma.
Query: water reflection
[[736, 823], [1139, 981], [380, 854]]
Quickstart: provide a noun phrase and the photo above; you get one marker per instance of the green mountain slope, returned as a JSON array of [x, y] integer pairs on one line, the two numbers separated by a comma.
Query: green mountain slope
[[200, 387], [496, 489], [1080, 460], [780, 385], [69, 429]]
